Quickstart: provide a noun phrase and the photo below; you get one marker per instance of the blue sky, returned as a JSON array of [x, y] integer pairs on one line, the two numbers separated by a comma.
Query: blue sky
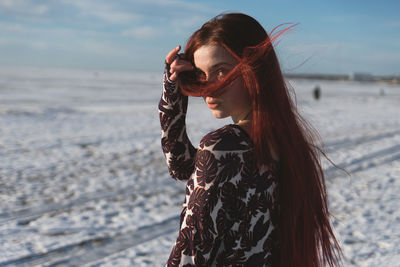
[[337, 37]]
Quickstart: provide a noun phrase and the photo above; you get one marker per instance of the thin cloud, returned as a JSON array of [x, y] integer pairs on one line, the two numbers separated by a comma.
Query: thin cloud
[[103, 11], [12, 27], [183, 25], [21, 43], [100, 48], [22, 7], [318, 47], [175, 5], [142, 33], [27, 32]]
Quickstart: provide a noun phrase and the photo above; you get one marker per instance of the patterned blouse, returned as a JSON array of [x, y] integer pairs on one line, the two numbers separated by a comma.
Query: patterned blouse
[[230, 213]]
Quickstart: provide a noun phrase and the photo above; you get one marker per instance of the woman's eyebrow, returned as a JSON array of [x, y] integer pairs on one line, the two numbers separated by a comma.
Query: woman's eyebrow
[[215, 66], [220, 64]]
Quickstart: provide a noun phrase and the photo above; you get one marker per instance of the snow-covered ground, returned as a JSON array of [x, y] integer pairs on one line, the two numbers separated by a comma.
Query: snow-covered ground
[[83, 180]]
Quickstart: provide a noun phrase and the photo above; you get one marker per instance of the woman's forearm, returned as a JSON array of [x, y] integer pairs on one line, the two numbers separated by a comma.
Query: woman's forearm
[[177, 148]]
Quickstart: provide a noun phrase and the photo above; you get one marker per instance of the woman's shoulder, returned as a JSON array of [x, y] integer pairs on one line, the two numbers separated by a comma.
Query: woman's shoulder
[[230, 137]]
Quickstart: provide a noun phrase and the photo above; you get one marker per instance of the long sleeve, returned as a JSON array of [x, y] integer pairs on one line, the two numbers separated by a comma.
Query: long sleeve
[[202, 220], [178, 150]]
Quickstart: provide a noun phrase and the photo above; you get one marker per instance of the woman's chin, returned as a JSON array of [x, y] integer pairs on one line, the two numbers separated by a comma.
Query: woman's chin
[[218, 114]]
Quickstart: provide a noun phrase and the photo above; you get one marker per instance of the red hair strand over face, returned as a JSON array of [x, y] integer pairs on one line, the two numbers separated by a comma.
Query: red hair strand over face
[[305, 235]]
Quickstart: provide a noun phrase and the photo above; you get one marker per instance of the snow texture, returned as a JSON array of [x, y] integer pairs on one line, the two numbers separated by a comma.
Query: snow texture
[[83, 181]]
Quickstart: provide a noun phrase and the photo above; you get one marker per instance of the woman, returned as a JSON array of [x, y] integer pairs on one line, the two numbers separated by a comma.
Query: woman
[[255, 193]]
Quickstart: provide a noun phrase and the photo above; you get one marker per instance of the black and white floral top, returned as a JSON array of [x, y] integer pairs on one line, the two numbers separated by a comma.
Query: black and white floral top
[[230, 213]]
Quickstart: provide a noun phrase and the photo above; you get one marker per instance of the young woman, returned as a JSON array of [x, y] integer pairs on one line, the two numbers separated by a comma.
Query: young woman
[[255, 193]]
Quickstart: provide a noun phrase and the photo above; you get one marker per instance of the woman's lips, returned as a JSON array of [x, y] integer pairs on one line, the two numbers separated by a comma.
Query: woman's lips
[[213, 105]]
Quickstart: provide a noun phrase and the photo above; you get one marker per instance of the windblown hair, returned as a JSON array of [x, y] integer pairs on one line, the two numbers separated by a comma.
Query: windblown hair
[[305, 234]]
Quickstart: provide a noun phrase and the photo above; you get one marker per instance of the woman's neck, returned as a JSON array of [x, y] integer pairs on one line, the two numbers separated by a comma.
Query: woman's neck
[[244, 122], [244, 118]]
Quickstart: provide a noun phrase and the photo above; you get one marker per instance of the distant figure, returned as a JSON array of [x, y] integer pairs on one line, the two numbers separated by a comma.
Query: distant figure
[[317, 92], [382, 92]]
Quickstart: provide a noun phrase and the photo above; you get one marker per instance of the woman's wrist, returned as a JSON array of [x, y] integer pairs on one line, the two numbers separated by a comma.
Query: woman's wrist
[[167, 73]]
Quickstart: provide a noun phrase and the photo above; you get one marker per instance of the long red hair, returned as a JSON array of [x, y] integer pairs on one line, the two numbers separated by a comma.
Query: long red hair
[[305, 234]]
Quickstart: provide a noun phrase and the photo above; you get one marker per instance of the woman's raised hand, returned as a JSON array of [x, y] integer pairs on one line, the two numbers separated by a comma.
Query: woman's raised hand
[[177, 64]]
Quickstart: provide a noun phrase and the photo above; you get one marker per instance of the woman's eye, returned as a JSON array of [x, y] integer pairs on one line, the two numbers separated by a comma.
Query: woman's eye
[[220, 74], [201, 76]]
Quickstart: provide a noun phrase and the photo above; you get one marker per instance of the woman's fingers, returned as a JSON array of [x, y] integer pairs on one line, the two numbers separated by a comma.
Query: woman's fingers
[[173, 76], [180, 65], [177, 64], [172, 54]]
